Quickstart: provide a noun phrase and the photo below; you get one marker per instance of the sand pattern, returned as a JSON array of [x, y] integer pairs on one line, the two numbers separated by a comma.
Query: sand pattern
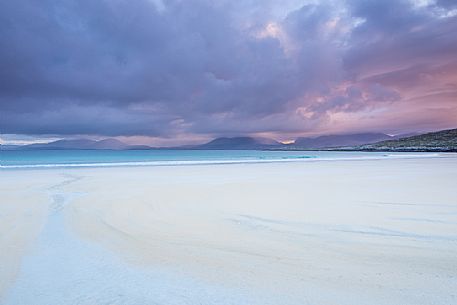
[[341, 232]]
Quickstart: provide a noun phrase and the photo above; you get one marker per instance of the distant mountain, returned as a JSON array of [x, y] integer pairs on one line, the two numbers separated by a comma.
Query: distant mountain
[[444, 140], [107, 144], [239, 143], [62, 144], [329, 141], [110, 144]]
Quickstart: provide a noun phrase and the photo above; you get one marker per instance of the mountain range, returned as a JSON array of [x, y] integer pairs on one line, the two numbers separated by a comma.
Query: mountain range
[[443, 141], [328, 141], [239, 143], [108, 144]]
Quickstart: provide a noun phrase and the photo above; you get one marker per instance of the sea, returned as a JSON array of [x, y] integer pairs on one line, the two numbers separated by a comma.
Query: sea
[[15, 159]]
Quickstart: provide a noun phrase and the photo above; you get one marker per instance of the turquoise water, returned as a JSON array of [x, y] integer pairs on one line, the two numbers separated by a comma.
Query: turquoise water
[[89, 158]]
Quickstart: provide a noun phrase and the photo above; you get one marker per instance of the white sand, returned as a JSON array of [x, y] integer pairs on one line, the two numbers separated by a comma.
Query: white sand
[[330, 232], [23, 208]]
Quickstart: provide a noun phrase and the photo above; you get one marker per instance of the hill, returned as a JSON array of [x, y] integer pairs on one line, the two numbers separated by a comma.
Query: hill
[[239, 143], [445, 140], [106, 144], [328, 141]]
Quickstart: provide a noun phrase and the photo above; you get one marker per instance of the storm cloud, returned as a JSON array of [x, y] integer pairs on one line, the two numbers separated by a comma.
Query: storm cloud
[[167, 69]]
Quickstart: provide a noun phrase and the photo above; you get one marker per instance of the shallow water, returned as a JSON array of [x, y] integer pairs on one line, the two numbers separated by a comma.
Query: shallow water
[[103, 158]]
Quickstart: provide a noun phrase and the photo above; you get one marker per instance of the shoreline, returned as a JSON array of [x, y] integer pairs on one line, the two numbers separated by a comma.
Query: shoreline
[[395, 155]]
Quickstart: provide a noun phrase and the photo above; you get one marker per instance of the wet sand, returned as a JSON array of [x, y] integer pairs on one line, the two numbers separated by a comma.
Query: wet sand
[[325, 232]]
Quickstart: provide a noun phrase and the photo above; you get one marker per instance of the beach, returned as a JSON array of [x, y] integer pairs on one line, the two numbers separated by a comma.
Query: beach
[[320, 232]]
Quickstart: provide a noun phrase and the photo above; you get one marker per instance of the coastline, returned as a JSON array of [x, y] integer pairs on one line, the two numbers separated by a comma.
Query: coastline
[[249, 159]]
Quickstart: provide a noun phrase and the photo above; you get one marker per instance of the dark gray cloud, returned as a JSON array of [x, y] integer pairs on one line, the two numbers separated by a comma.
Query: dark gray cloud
[[123, 67], [447, 4]]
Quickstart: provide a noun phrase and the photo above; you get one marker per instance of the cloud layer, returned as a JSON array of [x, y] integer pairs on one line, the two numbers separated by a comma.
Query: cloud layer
[[199, 68]]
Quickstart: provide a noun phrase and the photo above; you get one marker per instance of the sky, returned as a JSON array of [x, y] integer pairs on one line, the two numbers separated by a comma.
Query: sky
[[185, 71]]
